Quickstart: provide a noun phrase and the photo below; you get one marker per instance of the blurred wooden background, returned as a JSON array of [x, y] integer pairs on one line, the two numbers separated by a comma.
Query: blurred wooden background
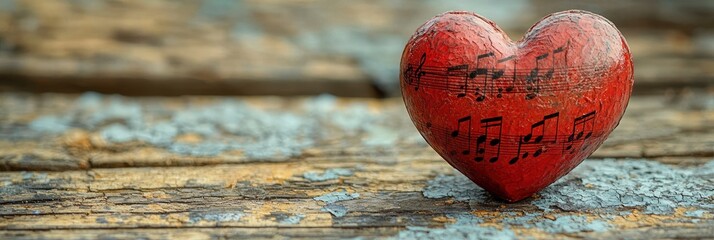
[[347, 48]]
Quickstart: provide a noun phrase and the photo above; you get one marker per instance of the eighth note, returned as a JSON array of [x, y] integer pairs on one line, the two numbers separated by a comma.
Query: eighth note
[[481, 71], [486, 140], [546, 126], [456, 132], [498, 73], [533, 77], [579, 129]]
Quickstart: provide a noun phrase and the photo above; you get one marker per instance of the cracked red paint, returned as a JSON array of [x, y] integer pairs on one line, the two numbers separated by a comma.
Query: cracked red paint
[[516, 116]]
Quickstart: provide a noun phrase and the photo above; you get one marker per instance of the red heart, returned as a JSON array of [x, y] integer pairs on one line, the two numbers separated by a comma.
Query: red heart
[[515, 117]]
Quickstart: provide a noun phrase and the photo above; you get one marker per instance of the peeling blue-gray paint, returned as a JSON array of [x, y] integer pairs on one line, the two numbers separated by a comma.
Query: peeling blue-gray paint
[[195, 217], [34, 176], [457, 186], [696, 213], [465, 219], [329, 174], [292, 220], [335, 209], [113, 108], [337, 196], [623, 213], [117, 133], [51, 124], [101, 220], [562, 223], [354, 119], [224, 125], [203, 149], [465, 227], [654, 187], [160, 134]]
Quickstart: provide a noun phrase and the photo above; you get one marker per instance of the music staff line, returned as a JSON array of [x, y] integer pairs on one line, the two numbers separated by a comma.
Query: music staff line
[[531, 78], [504, 136], [491, 70], [494, 81], [522, 146], [547, 140]]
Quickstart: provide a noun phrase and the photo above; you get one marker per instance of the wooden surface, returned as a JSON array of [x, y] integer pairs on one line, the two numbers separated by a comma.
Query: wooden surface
[[100, 166], [346, 48]]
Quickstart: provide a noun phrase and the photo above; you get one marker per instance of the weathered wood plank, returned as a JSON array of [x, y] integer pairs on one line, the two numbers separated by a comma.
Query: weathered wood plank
[[312, 233], [205, 233], [58, 132], [207, 167], [377, 198]]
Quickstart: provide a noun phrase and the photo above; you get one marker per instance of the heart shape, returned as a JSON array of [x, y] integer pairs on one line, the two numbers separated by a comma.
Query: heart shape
[[514, 117]]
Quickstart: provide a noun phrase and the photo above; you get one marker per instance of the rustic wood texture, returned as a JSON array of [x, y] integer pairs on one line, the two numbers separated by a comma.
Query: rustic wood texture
[[100, 166], [678, 125], [273, 47]]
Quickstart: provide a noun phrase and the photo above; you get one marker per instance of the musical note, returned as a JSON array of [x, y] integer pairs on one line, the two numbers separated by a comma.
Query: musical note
[[456, 133], [579, 129], [539, 139], [534, 79], [543, 138], [551, 70], [547, 75], [461, 72], [560, 51], [410, 73], [481, 71], [484, 141], [518, 153], [498, 73], [542, 125]]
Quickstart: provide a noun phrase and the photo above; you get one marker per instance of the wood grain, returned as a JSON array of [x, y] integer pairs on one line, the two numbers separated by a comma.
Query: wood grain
[[75, 183], [678, 126]]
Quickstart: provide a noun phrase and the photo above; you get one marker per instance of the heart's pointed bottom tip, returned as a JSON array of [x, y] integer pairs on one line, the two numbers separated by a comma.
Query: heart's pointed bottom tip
[[511, 197], [510, 193]]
